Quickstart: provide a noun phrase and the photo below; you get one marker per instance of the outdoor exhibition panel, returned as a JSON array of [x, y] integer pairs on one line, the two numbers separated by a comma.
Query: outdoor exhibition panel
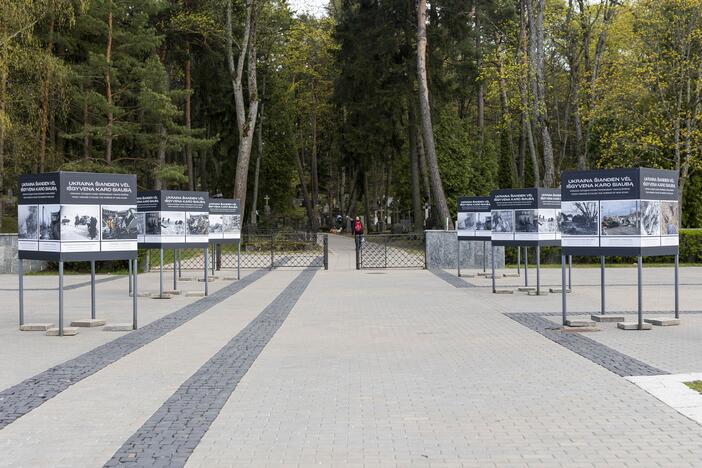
[[77, 216], [225, 228], [620, 212], [473, 218], [173, 219]]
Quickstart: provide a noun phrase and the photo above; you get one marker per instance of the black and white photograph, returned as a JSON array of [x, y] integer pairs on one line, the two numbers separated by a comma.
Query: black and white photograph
[[670, 218], [466, 221], [50, 222], [198, 224], [526, 220], [119, 222], [171, 223], [503, 221], [620, 218], [548, 221], [152, 223], [579, 218], [141, 223], [483, 221], [650, 217], [231, 224], [216, 225], [80, 222], [28, 222]]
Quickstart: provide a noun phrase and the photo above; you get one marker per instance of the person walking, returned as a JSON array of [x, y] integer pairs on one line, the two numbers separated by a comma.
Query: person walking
[[358, 232]]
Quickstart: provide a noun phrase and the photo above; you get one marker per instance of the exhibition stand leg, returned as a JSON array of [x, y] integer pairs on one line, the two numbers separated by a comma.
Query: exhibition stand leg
[[60, 266], [570, 272], [563, 290], [92, 289], [20, 272], [484, 258], [160, 274], [494, 290], [538, 270], [134, 295], [180, 272], [677, 286], [526, 266], [175, 264], [238, 259], [519, 261], [640, 290], [206, 286], [458, 258], [129, 276], [602, 285]]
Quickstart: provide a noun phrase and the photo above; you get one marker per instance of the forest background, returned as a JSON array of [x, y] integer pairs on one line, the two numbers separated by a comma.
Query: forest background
[[383, 108]]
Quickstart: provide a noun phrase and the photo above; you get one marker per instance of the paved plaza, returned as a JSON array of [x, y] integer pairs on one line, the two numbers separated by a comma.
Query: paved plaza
[[307, 367]]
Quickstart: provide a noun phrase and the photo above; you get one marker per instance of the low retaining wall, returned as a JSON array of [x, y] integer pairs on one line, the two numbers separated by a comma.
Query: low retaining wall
[[8, 256], [442, 247]]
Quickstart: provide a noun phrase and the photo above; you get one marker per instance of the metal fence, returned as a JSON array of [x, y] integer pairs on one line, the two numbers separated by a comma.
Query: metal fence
[[391, 251], [256, 251]]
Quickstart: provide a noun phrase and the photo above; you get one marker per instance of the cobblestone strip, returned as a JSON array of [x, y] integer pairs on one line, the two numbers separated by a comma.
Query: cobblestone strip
[[22, 398], [171, 435], [454, 281], [610, 359], [70, 286]]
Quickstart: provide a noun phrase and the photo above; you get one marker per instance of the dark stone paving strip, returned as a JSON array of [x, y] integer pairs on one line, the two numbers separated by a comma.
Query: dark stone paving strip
[[69, 287], [22, 398], [453, 280], [171, 435], [610, 359]]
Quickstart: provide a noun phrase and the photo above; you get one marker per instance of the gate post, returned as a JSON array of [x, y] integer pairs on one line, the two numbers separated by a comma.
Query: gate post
[[424, 241], [272, 254], [357, 241], [385, 253], [326, 252]]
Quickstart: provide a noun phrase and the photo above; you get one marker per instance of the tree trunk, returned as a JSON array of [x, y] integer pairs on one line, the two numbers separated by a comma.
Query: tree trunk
[[313, 166], [3, 99], [44, 113], [305, 198], [188, 122], [425, 114], [366, 198], [246, 121], [414, 165], [527, 127], [158, 185], [259, 155], [504, 107], [108, 87], [481, 86], [86, 133]]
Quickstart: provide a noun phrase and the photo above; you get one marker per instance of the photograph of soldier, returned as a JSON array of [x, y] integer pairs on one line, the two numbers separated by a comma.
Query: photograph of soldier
[[152, 224], [216, 224], [50, 222], [198, 224], [620, 218], [503, 221], [579, 218], [119, 222], [483, 221], [526, 220], [466, 221], [650, 217], [141, 223], [670, 218], [28, 222], [79, 222]]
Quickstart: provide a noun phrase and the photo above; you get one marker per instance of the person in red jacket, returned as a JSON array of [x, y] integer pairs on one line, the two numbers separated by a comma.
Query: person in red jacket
[[358, 231]]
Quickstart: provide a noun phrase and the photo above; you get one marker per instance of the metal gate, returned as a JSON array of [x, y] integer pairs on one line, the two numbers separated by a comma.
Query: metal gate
[[390, 251], [257, 251]]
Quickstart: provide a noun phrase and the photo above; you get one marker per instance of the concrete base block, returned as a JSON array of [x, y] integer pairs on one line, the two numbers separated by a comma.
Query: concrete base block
[[172, 292], [209, 279], [579, 329], [606, 318], [511, 275], [144, 294], [186, 278], [486, 274], [633, 326], [559, 290], [526, 288], [67, 331], [229, 278], [161, 296], [663, 321], [119, 327], [88, 323], [467, 275], [195, 294], [504, 291], [36, 326], [543, 292], [580, 323]]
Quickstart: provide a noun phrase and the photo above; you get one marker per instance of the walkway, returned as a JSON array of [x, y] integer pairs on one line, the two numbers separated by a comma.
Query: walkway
[[341, 368]]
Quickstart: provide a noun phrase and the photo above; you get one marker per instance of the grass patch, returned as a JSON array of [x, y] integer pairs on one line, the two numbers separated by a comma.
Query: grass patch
[[695, 385]]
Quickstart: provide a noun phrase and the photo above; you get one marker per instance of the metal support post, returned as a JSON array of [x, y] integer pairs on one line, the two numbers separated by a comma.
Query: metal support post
[[129, 275], [494, 289], [602, 285], [60, 265], [538, 270], [92, 289], [206, 285], [564, 310], [640, 290], [20, 272], [326, 252], [160, 274], [175, 273], [484, 258], [272, 254], [526, 266], [238, 260], [570, 272], [519, 261], [677, 286], [458, 257], [134, 296], [385, 256]]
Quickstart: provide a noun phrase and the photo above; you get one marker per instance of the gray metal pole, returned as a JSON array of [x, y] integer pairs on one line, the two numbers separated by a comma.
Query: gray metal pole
[[160, 275], [484, 258], [206, 285], [526, 266], [519, 260], [570, 272], [238, 260], [458, 258], [180, 271], [134, 295], [129, 275], [538, 270], [494, 289], [564, 307], [175, 264], [602, 285], [60, 265], [92, 289], [677, 286], [20, 272], [640, 291]]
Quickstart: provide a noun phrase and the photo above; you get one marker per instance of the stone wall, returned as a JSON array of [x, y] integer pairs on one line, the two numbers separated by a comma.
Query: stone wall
[[8, 256], [442, 247]]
